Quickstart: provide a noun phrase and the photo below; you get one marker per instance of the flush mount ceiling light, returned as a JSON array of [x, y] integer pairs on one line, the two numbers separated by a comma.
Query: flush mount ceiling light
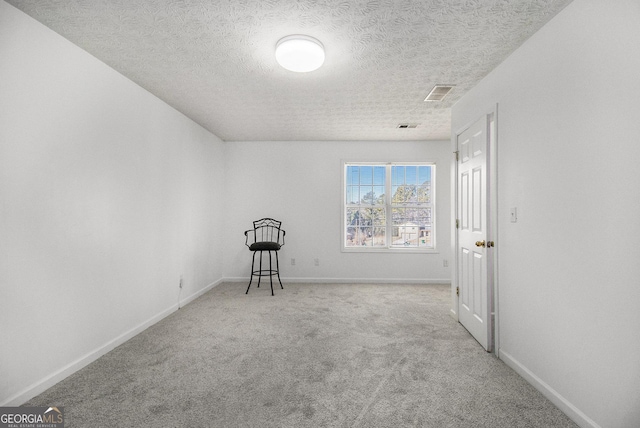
[[300, 53]]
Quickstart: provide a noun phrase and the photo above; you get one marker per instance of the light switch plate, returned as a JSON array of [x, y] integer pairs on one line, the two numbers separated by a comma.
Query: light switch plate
[[514, 215]]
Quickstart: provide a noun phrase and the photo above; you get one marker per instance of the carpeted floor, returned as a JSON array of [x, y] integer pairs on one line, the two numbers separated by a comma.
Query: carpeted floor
[[315, 355]]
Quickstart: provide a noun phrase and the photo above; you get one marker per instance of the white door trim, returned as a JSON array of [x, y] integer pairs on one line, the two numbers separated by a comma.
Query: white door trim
[[493, 220]]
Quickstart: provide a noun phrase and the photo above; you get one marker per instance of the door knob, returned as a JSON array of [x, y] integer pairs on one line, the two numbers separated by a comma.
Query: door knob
[[480, 244]]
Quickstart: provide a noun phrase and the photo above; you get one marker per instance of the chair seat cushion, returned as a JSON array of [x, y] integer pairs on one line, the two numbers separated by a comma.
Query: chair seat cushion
[[265, 246]]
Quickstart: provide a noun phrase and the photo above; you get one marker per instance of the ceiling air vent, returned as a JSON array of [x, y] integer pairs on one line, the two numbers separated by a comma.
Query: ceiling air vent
[[407, 125], [439, 92]]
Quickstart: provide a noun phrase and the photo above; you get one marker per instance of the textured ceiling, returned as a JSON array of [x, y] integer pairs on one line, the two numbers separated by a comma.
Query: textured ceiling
[[213, 60]]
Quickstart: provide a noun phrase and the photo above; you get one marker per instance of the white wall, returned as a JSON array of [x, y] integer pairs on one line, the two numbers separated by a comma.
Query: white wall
[[300, 183], [569, 288], [107, 196]]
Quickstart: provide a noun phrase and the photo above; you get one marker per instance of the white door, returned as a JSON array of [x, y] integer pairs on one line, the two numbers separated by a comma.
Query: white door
[[475, 298]]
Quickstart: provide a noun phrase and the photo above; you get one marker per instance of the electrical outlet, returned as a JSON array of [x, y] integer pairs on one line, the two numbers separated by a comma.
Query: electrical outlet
[[316, 262], [445, 263], [293, 262]]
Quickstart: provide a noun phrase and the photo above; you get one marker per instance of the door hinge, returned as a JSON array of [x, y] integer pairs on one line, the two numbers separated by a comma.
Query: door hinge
[[457, 155], [457, 224], [457, 291]]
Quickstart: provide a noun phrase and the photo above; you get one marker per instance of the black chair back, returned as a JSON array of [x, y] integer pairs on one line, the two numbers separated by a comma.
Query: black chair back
[[267, 230]]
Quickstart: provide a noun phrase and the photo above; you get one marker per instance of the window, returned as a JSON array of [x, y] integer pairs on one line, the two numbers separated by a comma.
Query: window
[[388, 206]]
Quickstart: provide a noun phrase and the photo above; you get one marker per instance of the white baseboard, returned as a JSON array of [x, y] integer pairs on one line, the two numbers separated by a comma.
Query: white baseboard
[[47, 382], [199, 293], [348, 280], [551, 394]]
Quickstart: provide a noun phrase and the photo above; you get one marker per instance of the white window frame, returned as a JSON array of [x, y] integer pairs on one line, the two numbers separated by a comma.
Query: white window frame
[[389, 248]]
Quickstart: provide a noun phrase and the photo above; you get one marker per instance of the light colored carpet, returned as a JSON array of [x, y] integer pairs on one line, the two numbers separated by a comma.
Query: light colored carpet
[[315, 355]]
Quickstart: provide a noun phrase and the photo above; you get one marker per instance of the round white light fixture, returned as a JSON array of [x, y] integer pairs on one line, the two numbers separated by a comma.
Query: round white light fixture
[[300, 53]]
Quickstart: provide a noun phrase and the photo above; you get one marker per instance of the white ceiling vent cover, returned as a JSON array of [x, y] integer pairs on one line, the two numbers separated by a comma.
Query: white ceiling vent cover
[[439, 92]]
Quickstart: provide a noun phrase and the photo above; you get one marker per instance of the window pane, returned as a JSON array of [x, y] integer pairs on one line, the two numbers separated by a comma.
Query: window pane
[[424, 174], [379, 238], [379, 176], [370, 237], [412, 193], [352, 237], [395, 195], [365, 237], [368, 197], [351, 216], [411, 174], [411, 184], [424, 194], [397, 175], [377, 216], [366, 175], [353, 175], [365, 227], [411, 227], [349, 195], [358, 217], [420, 216], [353, 194], [404, 194], [398, 195], [379, 194]]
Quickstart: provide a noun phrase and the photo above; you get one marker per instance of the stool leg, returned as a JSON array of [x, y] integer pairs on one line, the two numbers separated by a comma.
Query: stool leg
[[271, 273], [260, 273], [253, 260], [278, 270]]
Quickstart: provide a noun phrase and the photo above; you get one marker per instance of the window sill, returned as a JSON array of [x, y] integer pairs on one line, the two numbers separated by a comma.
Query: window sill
[[390, 250]]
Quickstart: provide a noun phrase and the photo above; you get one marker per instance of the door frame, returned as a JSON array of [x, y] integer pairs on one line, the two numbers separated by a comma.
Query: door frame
[[491, 115]]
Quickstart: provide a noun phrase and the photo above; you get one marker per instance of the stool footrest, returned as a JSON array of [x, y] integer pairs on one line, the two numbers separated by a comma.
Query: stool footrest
[[264, 272]]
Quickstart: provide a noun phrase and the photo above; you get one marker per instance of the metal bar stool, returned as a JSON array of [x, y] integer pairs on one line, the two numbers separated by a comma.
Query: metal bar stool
[[267, 236]]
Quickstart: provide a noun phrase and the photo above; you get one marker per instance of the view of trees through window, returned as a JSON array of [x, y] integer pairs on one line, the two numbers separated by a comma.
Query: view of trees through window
[[389, 205]]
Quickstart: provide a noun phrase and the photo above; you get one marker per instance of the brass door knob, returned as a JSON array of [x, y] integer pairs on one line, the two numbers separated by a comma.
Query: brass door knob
[[480, 244]]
